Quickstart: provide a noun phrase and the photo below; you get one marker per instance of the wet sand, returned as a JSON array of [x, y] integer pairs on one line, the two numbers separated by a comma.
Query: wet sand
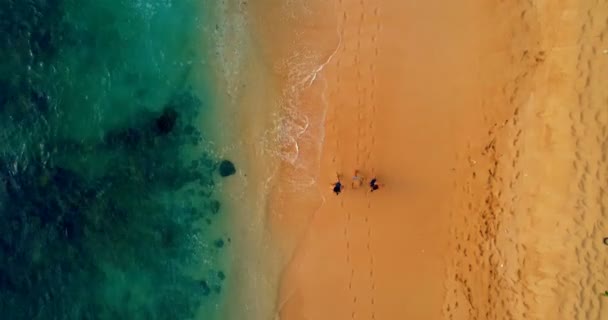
[[486, 123], [380, 255], [245, 94]]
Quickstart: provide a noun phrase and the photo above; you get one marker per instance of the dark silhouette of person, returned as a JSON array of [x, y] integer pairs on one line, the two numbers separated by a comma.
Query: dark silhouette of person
[[373, 184], [337, 187]]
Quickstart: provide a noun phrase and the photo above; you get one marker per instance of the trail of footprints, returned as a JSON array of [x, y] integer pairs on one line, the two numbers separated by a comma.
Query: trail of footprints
[[588, 129], [365, 85], [349, 262], [343, 20], [589, 134], [501, 152], [335, 131], [483, 221], [367, 108]]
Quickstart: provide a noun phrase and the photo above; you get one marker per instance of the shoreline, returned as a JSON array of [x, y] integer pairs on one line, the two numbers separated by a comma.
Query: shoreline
[[292, 43], [266, 132], [242, 125]]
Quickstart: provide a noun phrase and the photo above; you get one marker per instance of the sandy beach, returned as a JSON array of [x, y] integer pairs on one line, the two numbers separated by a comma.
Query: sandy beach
[[485, 123], [379, 256]]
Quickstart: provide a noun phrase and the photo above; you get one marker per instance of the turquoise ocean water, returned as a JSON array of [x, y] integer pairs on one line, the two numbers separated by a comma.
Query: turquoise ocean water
[[107, 201]]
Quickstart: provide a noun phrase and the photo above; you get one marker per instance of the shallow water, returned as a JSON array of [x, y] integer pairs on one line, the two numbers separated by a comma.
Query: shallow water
[[107, 189]]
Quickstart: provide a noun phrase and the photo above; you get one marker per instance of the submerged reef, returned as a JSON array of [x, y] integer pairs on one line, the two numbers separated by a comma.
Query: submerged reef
[[96, 228], [106, 192]]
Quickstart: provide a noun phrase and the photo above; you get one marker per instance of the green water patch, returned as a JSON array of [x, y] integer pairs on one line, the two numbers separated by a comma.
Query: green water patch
[[107, 189]]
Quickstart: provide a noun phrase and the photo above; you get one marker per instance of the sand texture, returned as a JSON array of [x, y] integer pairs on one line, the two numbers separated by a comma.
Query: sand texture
[[529, 205], [486, 123]]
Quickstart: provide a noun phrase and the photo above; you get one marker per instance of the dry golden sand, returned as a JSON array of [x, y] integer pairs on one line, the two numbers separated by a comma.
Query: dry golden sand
[[529, 205], [487, 123]]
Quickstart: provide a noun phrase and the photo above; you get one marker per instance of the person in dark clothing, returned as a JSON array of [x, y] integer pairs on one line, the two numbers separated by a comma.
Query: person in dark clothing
[[373, 184], [337, 187]]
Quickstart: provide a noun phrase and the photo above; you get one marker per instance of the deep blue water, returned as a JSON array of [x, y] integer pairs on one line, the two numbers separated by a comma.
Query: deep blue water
[[107, 202]]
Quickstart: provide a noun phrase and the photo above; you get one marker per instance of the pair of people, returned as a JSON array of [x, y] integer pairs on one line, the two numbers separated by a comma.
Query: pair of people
[[357, 181]]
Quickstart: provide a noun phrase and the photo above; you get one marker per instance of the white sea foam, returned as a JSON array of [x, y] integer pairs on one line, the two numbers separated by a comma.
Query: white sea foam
[[294, 123]]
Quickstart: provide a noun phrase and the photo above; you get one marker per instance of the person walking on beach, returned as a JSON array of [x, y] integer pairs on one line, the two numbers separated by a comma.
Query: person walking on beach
[[337, 186], [373, 184]]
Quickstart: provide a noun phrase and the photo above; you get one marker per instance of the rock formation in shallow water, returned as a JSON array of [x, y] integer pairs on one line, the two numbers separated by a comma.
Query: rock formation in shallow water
[[226, 168], [166, 122]]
